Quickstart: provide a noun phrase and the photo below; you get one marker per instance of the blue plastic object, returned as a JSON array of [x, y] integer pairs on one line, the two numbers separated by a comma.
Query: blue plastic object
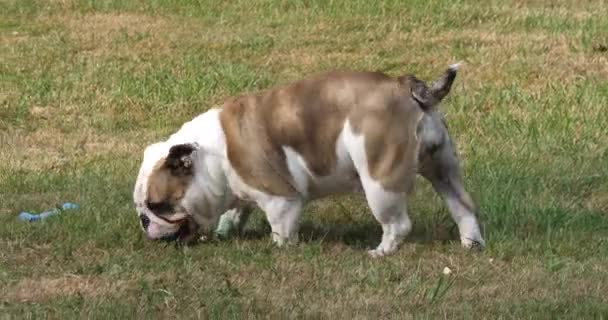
[[31, 217]]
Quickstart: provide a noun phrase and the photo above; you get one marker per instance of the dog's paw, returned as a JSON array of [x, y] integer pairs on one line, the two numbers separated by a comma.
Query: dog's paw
[[473, 244], [376, 253], [380, 252], [282, 241], [278, 240]]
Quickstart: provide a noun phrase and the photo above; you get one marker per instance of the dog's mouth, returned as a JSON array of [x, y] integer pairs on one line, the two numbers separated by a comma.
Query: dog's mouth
[[181, 218], [187, 232]]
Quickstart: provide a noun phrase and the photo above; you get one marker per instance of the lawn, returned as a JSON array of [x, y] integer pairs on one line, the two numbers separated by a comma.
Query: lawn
[[85, 85]]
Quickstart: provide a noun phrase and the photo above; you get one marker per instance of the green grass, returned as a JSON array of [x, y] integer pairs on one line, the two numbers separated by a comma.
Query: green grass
[[85, 85]]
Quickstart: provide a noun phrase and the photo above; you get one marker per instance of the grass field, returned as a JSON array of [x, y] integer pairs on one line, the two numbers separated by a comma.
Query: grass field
[[86, 85]]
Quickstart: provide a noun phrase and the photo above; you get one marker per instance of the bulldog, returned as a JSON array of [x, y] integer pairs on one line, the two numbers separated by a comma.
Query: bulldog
[[327, 134]]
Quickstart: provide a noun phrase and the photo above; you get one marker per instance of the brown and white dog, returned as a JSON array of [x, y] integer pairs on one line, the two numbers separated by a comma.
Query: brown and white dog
[[327, 134]]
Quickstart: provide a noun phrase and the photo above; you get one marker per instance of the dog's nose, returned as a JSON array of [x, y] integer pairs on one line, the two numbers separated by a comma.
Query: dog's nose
[[145, 221]]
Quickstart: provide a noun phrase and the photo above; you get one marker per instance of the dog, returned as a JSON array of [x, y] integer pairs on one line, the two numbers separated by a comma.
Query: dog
[[330, 133]]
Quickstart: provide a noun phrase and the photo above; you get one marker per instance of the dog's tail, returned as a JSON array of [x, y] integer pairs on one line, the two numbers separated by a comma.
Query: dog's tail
[[428, 98]]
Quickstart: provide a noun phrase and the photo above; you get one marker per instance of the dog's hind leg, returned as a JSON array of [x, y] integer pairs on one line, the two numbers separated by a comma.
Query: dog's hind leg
[[388, 206]]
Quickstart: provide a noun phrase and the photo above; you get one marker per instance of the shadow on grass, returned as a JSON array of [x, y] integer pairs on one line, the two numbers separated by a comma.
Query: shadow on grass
[[358, 235]]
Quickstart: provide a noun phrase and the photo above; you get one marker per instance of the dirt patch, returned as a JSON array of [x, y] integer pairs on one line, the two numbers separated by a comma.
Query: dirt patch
[[38, 290]]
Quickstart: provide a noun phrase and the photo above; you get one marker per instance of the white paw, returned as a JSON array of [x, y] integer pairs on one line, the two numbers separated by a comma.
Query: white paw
[[376, 253], [382, 251], [278, 240], [282, 241], [385, 248]]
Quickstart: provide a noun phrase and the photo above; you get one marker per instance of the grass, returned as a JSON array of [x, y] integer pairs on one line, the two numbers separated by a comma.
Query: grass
[[85, 85]]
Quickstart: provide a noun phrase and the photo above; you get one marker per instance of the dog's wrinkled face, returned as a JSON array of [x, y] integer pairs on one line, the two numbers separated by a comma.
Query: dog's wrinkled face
[[432, 133], [436, 146], [164, 178]]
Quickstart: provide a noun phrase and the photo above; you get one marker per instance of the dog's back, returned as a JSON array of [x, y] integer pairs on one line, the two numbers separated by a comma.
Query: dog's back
[[309, 115]]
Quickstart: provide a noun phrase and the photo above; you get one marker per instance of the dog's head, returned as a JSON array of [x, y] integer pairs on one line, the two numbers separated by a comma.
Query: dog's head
[[432, 131], [161, 192]]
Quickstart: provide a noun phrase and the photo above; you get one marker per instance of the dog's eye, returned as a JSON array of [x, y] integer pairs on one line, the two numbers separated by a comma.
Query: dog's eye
[[162, 207]]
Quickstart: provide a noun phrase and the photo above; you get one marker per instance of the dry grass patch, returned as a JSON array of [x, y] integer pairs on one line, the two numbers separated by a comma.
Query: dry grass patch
[[13, 38], [51, 148], [15, 254], [139, 36], [597, 201], [43, 289], [96, 34], [492, 56], [352, 289]]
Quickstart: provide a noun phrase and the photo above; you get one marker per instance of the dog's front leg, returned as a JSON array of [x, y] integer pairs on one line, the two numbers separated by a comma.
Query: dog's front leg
[[239, 217], [283, 215], [442, 169]]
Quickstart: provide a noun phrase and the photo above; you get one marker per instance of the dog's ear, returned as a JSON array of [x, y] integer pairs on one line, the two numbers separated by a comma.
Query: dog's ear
[[180, 159], [427, 97]]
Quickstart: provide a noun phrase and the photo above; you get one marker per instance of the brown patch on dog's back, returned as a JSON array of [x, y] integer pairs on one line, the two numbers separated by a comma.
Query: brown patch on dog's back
[[309, 115], [255, 156]]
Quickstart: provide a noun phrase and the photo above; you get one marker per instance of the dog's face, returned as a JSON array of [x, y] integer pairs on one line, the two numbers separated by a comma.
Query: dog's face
[[432, 133], [161, 189], [436, 145]]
